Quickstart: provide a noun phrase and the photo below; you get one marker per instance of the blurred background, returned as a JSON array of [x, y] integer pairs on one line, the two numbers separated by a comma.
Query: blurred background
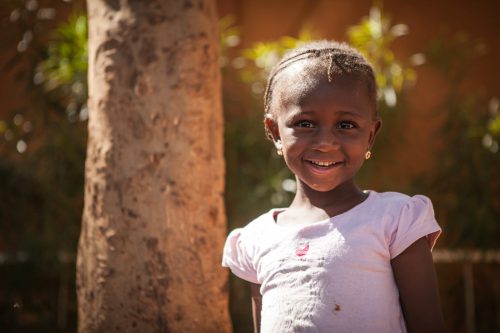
[[439, 84]]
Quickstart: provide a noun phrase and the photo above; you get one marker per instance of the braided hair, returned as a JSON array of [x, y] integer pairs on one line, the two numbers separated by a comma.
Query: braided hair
[[334, 57]]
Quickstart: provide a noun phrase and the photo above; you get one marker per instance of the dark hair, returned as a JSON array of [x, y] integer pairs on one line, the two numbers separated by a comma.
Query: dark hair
[[337, 58]]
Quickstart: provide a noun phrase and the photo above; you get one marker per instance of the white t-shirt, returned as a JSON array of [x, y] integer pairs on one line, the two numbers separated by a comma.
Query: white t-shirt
[[333, 275]]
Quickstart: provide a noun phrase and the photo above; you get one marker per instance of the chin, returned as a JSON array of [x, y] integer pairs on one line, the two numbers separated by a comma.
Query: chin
[[322, 188]]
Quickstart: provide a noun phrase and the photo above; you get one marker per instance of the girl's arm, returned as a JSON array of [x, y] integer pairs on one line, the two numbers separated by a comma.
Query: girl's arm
[[256, 306], [416, 279]]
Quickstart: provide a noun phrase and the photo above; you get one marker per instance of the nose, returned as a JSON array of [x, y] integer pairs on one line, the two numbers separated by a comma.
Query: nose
[[326, 139]]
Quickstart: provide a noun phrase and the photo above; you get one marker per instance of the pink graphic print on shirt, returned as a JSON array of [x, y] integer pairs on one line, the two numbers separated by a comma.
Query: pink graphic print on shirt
[[301, 250]]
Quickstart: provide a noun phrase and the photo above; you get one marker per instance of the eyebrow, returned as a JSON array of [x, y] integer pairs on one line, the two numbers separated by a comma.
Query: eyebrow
[[342, 113], [350, 113]]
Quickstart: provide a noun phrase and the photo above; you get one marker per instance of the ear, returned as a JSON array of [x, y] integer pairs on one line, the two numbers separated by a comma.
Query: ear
[[273, 130], [377, 124]]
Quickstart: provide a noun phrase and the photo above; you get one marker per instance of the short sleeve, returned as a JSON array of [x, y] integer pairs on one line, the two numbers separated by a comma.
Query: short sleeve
[[415, 221], [238, 255]]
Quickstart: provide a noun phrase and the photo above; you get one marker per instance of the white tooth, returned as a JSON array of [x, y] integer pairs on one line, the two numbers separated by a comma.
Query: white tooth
[[324, 163]]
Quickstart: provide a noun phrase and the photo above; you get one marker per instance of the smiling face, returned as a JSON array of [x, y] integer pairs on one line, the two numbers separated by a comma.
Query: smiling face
[[323, 128]]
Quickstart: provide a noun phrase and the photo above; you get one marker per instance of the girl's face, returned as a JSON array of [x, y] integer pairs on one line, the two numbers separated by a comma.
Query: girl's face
[[324, 129]]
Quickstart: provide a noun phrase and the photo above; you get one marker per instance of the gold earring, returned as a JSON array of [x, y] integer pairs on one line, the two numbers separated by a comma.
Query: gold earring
[[368, 155], [279, 147]]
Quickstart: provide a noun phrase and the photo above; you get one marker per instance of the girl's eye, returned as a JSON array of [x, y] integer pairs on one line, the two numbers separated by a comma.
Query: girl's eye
[[345, 125], [304, 123]]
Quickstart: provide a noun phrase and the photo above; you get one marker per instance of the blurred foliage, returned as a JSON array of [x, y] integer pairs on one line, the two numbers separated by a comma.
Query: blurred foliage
[[264, 56], [494, 120], [465, 185], [64, 72], [42, 153], [374, 36], [229, 38], [45, 151]]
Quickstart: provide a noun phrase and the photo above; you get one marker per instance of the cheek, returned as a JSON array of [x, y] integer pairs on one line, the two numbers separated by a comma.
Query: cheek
[[292, 148], [288, 139], [355, 144], [357, 153], [357, 141]]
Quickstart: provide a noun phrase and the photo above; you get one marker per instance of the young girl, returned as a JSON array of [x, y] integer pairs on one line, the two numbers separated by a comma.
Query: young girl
[[339, 259]]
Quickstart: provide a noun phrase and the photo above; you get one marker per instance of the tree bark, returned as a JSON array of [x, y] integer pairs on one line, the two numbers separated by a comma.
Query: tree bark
[[153, 223]]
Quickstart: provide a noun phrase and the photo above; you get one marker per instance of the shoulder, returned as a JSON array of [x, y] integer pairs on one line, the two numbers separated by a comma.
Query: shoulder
[[242, 247], [392, 198], [256, 227], [407, 219], [263, 221], [395, 202]]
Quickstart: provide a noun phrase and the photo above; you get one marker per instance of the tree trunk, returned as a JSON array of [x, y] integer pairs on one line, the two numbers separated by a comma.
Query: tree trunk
[[153, 222]]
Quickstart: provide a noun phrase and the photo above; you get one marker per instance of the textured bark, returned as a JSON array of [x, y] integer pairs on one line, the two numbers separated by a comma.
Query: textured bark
[[153, 223]]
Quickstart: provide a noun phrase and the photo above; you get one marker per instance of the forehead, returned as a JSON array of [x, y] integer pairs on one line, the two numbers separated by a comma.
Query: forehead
[[305, 83]]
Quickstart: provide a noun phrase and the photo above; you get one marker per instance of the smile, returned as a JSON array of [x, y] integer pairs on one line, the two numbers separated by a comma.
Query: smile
[[323, 164]]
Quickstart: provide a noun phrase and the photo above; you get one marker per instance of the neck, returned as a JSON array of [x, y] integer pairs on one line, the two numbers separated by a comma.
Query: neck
[[344, 195]]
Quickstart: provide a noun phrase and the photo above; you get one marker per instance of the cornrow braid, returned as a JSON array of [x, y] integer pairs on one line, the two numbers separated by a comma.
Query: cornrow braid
[[338, 58]]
